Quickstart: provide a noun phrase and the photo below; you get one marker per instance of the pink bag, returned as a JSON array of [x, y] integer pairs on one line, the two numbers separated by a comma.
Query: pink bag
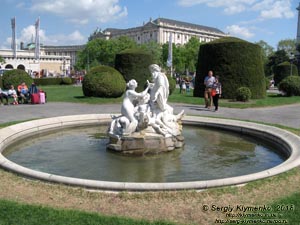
[[42, 98]]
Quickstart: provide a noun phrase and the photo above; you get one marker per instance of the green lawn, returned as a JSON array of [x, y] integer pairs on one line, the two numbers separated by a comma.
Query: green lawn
[[282, 211], [271, 100], [69, 93], [12, 213], [74, 94]]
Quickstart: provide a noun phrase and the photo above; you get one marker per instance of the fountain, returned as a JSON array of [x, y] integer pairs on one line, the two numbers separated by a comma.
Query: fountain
[[147, 123]]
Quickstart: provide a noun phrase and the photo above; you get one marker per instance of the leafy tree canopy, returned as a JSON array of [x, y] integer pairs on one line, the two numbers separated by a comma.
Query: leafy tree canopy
[[102, 52], [288, 45], [2, 60]]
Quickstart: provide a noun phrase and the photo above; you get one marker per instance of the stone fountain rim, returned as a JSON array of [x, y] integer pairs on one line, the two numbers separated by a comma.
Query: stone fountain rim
[[289, 143]]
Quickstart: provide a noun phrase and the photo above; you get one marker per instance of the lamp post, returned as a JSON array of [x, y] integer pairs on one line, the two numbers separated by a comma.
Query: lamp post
[[291, 62], [64, 67]]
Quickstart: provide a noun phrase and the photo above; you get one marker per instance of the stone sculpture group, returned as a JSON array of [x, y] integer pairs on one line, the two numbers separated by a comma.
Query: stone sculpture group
[[147, 122]]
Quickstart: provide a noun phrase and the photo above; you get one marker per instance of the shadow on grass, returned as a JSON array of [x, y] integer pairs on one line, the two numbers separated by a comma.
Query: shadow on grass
[[277, 96], [81, 97]]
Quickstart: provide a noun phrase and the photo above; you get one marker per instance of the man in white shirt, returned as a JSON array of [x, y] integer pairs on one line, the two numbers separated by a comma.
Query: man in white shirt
[[209, 81]]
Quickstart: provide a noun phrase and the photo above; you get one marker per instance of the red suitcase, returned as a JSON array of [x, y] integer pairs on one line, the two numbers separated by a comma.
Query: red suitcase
[[35, 98]]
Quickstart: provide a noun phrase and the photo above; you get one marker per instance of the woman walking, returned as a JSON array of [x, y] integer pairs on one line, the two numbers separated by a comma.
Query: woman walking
[[218, 87]]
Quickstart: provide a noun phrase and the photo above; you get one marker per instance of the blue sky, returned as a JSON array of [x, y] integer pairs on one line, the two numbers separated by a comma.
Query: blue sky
[[69, 22]]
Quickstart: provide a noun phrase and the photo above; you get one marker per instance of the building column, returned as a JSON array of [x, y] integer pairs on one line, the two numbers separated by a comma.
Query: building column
[[297, 55], [298, 27]]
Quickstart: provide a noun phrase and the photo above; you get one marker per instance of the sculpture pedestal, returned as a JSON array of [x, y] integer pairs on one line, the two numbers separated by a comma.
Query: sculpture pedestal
[[139, 143]]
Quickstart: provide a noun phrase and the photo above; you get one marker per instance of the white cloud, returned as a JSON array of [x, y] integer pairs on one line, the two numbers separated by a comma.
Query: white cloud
[[234, 9], [267, 9], [61, 39], [230, 6], [27, 35], [270, 9], [82, 11], [236, 30]]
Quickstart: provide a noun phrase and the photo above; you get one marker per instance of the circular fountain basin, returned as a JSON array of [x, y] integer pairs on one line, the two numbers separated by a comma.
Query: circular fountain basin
[[286, 142]]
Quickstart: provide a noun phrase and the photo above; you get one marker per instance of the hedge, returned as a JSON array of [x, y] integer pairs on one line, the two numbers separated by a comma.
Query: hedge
[[283, 70], [290, 86], [53, 81], [238, 63], [133, 64]]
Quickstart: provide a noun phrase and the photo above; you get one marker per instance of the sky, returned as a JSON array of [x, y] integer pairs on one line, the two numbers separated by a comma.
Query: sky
[[69, 22]]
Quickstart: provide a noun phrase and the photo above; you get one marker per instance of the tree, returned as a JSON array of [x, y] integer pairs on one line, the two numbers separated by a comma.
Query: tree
[[178, 57], [191, 53], [288, 45], [155, 51], [2, 60], [267, 51], [278, 57], [102, 52]]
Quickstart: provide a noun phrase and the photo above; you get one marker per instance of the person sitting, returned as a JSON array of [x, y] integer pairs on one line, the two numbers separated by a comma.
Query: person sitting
[[3, 95], [23, 92], [33, 89], [12, 93]]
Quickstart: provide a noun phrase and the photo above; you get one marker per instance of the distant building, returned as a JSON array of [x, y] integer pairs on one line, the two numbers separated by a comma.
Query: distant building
[[56, 65], [159, 31], [64, 50], [68, 50]]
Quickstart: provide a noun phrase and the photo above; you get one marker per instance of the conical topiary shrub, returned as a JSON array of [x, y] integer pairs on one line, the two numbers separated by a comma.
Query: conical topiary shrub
[[133, 64], [283, 70], [238, 63]]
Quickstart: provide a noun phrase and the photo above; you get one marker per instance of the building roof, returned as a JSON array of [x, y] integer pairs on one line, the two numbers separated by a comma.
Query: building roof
[[185, 24], [159, 21]]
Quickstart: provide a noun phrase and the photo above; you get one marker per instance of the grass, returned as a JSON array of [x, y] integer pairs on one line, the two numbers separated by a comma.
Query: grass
[[289, 208], [271, 100], [13, 213], [74, 94], [33, 202], [282, 211], [69, 93]]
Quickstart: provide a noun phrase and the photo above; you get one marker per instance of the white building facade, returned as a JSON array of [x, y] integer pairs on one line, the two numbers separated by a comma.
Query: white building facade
[[45, 65], [159, 31]]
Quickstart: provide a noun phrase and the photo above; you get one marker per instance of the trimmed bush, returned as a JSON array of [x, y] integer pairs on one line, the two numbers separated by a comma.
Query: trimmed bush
[[238, 63], [1, 82], [133, 64], [283, 70], [267, 82], [66, 81], [172, 84], [53, 81], [16, 77], [243, 94], [103, 81], [290, 86]]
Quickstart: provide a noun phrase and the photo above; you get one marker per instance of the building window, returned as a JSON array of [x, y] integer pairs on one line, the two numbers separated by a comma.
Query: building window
[[178, 36]]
